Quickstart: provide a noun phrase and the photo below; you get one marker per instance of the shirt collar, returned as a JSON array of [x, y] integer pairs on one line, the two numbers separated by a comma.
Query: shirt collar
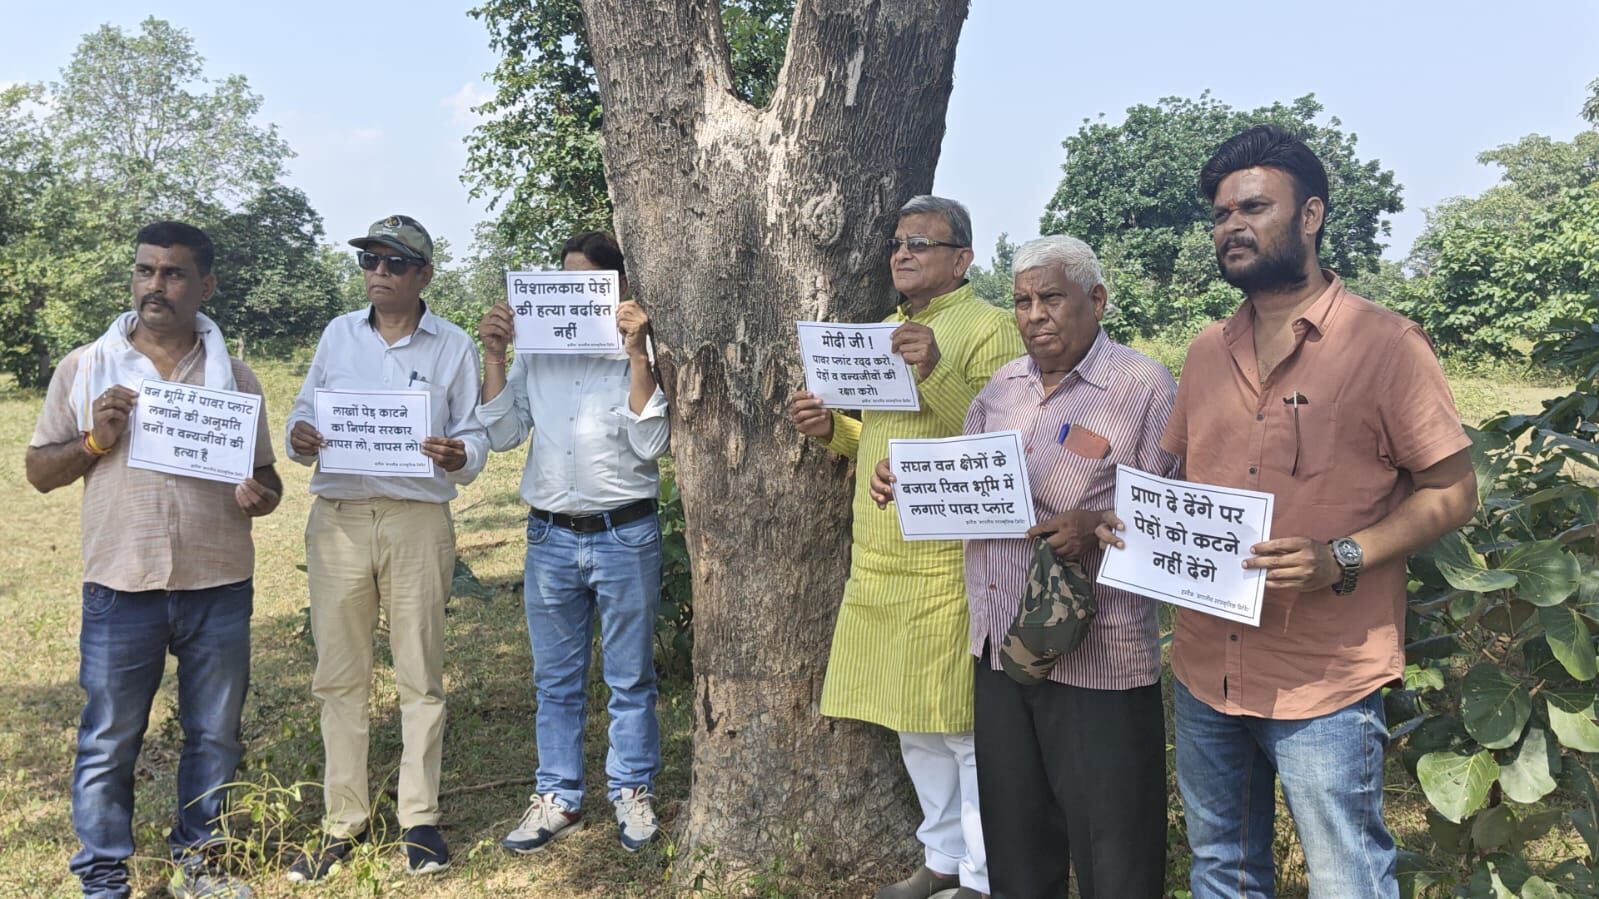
[[1320, 316], [937, 304], [428, 322], [1094, 368]]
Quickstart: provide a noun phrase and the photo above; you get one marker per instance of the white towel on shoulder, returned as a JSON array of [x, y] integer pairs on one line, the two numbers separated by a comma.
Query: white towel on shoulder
[[112, 359]]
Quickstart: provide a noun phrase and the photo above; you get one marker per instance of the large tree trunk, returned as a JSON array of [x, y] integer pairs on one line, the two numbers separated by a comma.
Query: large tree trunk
[[737, 222]]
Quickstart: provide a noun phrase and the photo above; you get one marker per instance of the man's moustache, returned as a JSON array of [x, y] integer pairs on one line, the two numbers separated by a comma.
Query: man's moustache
[[154, 298]]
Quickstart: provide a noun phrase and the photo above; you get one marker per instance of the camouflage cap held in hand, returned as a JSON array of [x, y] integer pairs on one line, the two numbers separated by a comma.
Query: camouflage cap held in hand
[[1056, 610], [399, 232]]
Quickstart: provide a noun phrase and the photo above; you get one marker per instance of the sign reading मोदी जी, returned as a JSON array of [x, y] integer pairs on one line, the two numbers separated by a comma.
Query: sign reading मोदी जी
[[960, 487], [1186, 544], [377, 433], [852, 367], [564, 312], [194, 431]]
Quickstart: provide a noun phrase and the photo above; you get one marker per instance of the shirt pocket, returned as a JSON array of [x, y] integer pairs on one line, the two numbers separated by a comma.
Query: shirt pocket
[[1300, 441]]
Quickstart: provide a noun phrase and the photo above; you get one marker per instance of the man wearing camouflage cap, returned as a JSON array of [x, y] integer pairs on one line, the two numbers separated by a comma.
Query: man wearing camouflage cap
[[1070, 769], [386, 542]]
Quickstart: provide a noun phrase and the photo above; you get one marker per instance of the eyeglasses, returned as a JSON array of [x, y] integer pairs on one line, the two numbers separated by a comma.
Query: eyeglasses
[[919, 244], [398, 266]]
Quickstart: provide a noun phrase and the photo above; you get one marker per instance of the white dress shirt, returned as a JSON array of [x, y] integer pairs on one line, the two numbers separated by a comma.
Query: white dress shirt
[[438, 357], [590, 452]]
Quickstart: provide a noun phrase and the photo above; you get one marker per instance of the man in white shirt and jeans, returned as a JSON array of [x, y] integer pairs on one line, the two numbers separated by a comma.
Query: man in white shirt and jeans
[[593, 548], [386, 541]]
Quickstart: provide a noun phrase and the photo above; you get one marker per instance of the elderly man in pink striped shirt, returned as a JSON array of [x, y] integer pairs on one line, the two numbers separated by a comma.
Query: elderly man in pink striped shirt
[[1071, 769]]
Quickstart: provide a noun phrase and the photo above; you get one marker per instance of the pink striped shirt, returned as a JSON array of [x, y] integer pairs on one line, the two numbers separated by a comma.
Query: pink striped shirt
[[1125, 397]]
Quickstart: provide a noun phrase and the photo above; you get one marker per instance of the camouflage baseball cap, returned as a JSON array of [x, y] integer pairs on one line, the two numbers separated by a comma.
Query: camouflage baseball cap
[[1056, 610], [399, 232]]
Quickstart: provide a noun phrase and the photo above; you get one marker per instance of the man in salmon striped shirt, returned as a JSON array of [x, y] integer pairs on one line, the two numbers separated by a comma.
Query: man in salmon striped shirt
[[1072, 769]]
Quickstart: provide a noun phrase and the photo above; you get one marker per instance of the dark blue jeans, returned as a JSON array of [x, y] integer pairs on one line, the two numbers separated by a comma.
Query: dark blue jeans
[[123, 649]]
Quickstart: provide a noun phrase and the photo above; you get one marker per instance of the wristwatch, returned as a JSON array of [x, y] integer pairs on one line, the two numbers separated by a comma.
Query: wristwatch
[[1347, 553]]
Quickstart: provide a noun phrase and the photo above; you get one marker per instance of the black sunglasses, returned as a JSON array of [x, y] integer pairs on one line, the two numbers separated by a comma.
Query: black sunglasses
[[919, 244], [399, 266]]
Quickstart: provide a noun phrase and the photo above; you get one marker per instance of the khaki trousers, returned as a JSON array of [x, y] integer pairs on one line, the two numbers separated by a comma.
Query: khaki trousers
[[362, 555]]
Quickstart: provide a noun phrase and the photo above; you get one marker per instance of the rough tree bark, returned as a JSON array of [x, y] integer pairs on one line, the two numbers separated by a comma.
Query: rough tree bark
[[737, 222]]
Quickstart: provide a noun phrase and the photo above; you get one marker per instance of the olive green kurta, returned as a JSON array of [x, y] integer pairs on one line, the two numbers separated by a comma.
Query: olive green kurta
[[900, 656]]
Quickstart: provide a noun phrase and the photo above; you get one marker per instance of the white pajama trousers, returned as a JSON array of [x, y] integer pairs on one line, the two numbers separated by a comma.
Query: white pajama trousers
[[943, 768]]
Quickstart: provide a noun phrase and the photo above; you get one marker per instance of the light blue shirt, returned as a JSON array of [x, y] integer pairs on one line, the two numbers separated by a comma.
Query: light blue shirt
[[438, 357], [590, 452]]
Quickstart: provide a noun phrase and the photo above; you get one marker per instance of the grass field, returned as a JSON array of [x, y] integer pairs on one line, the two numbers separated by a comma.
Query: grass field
[[489, 739]]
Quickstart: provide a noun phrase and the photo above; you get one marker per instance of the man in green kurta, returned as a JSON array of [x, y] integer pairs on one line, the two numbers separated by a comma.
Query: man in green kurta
[[900, 657]]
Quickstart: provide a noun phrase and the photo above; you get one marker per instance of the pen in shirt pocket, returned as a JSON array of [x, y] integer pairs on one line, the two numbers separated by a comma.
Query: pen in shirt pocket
[[1064, 430], [415, 377]]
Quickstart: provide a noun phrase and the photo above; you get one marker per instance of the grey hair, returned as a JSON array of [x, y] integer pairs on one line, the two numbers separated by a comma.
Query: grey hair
[[954, 213], [1071, 254]]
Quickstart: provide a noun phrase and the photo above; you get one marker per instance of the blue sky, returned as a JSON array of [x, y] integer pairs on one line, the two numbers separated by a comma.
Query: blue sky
[[375, 99]]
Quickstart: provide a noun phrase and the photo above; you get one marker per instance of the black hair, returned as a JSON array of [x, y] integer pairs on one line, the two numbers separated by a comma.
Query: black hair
[[1267, 146], [598, 248], [181, 234]]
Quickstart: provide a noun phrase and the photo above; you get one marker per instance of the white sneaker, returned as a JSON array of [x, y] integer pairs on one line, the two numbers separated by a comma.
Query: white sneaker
[[544, 822], [635, 817]]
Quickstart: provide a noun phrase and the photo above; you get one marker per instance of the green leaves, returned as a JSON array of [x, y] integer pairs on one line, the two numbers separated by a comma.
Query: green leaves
[[1465, 569], [1495, 706], [1571, 717], [1455, 784], [1529, 774], [1569, 640], [1545, 574]]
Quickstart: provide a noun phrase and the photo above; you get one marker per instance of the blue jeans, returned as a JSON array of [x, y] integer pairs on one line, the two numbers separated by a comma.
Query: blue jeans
[[570, 577], [123, 649], [1331, 771]]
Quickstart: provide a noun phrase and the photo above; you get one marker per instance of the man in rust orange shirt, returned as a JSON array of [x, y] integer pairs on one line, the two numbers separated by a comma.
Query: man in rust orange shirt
[[1339, 408]]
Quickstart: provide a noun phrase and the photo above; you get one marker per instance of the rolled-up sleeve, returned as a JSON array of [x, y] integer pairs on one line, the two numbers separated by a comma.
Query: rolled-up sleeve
[[648, 432]]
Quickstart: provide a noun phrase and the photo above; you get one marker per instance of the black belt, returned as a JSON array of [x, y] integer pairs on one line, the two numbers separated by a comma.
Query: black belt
[[593, 524]]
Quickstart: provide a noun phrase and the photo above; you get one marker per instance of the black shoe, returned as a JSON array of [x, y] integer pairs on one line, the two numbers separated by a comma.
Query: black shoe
[[318, 862], [425, 852]]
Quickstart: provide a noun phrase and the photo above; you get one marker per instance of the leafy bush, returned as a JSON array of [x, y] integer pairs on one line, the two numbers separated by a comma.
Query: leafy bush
[[1499, 714]]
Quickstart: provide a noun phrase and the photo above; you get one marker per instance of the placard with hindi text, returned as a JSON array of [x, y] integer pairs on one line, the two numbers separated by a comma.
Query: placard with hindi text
[[1186, 544], [198, 432], [377, 433], [572, 313]]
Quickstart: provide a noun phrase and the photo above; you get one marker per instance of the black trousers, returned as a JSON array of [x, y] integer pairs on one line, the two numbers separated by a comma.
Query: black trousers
[[1071, 774]]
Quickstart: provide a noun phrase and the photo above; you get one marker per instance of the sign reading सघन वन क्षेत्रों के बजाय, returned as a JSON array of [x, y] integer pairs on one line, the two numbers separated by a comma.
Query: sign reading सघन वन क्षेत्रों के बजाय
[[572, 313], [194, 431], [961, 487], [1186, 544], [377, 433], [852, 367]]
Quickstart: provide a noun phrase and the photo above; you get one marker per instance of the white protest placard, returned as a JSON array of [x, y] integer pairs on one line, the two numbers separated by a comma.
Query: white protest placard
[[377, 433], [194, 431], [851, 367], [960, 487], [1186, 544], [564, 312]]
